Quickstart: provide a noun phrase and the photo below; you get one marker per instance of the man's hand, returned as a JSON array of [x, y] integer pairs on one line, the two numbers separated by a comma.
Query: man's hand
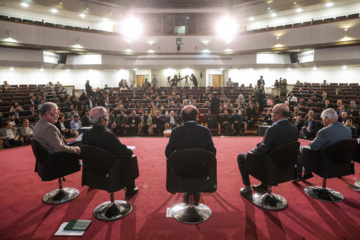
[[78, 150]]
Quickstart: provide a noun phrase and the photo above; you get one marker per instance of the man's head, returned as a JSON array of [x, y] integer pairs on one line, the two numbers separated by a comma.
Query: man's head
[[8, 125], [327, 102], [87, 112], [49, 112], [348, 122], [339, 102], [99, 116], [189, 113], [352, 103], [329, 116], [61, 119], [344, 115], [279, 112], [298, 118], [76, 118], [310, 118], [25, 122], [226, 112], [172, 113]]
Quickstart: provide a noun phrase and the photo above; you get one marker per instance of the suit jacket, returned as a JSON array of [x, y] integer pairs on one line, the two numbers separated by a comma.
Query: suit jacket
[[149, 121], [66, 124], [13, 129], [23, 132], [87, 103], [280, 133], [313, 128], [131, 118], [214, 105], [190, 135], [85, 121], [103, 138], [329, 135], [49, 136], [176, 118], [120, 122]]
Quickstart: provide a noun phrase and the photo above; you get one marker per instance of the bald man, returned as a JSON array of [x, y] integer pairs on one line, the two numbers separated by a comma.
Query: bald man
[[280, 133], [189, 135]]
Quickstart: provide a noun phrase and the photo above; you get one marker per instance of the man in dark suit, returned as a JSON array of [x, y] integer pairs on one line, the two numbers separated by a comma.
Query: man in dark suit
[[280, 133], [261, 81], [103, 101], [89, 103], [133, 123], [309, 128], [190, 135], [121, 122], [85, 120], [100, 136], [215, 104]]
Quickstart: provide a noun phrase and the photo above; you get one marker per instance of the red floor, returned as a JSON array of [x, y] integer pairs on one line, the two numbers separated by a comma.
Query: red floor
[[24, 216]]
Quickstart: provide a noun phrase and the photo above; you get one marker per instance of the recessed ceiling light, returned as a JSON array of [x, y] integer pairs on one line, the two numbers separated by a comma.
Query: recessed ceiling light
[[105, 19], [299, 10], [329, 4], [150, 51], [53, 10], [251, 18], [24, 4], [273, 14], [206, 51], [82, 15], [11, 69], [344, 67]]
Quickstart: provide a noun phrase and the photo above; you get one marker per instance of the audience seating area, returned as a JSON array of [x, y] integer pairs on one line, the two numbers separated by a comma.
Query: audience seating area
[[153, 99]]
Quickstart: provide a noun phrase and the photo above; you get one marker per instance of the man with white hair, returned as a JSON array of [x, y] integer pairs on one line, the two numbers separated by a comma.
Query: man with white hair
[[332, 133], [100, 136]]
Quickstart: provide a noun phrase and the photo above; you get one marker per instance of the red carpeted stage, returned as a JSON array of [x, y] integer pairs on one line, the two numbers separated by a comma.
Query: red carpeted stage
[[25, 216]]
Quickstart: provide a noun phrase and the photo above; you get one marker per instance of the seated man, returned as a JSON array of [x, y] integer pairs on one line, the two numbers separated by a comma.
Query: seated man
[[100, 136], [48, 135], [133, 123], [172, 121], [298, 122], [190, 135], [75, 125], [26, 131], [238, 122], [158, 124], [309, 128], [10, 135], [225, 121], [85, 120], [121, 123], [279, 134], [251, 115], [332, 132], [64, 127], [145, 123]]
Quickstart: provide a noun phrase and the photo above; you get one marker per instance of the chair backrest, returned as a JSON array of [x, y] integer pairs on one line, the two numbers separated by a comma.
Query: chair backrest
[[191, 170], [342, 152], [50, 166], [102, 170], [39, 151], [275, 167], [285, 156], [97, 160]]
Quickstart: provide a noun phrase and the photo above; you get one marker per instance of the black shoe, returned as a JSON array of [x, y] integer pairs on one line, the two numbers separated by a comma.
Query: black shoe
[[129, 193], [246, 192], [261, 188]]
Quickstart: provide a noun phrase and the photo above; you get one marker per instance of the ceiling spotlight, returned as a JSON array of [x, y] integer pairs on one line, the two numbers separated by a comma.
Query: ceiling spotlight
[[226, 27], [11, 69], [24, 4], [329, 4], [251, 18], [273, 14], [132, 27], [299, 10], [344, 67], [82, 15], [53, 10]]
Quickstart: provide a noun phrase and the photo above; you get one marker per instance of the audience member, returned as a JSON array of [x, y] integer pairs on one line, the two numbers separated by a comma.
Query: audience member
[[100, 136], [26, 131], [280, 133], [75, 125], [10, 135]]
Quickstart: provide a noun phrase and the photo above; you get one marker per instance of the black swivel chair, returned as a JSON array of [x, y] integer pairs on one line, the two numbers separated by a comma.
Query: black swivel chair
[[102, 170], [336, 160], [50, 166], [191, 171], [277, 167], [357, 159]]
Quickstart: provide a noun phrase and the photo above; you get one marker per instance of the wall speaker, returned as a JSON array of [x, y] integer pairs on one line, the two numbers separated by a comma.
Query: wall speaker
[[294, 58], [62, 58]]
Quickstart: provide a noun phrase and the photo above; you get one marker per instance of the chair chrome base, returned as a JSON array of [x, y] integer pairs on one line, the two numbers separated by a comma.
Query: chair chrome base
[[112, 210], [269, 201], [357, 183], [59, 196], [191, 214], [324, 194]]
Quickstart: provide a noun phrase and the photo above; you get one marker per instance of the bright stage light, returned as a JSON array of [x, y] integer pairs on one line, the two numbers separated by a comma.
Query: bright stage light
[[226, 27], [131, 27]]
